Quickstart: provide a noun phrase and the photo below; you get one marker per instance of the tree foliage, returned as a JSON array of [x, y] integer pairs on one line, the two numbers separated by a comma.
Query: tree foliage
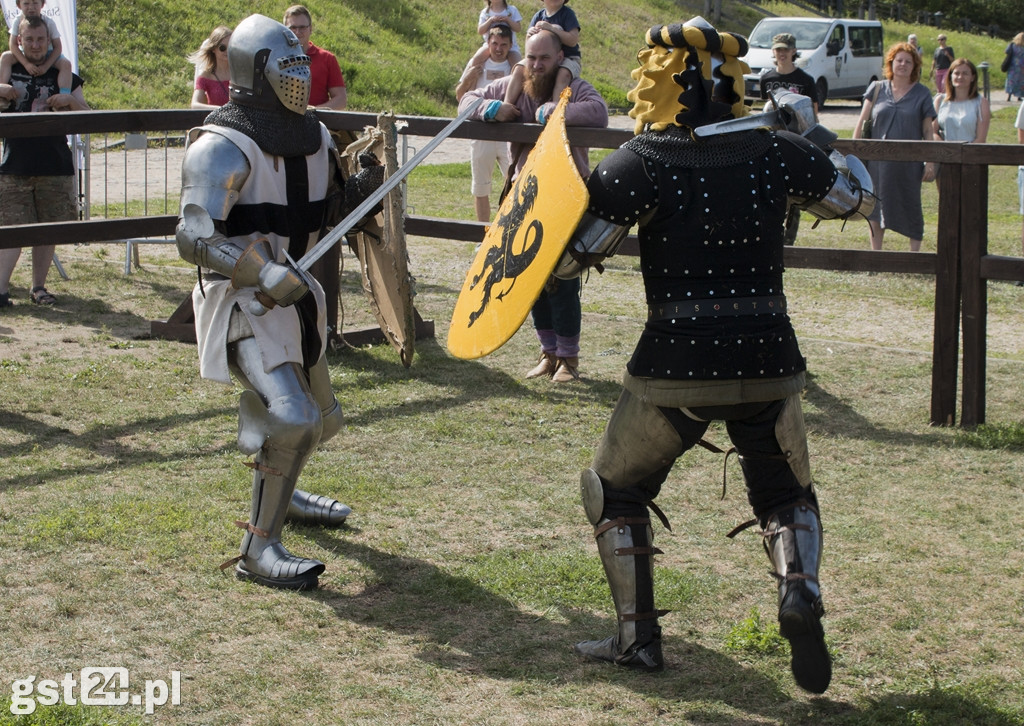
[[1004, 18]]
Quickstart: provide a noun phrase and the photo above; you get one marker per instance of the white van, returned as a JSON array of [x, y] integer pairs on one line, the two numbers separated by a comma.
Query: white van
[[842, 55]]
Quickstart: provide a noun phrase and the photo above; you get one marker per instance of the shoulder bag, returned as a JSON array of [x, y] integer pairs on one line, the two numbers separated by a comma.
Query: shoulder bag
[[1007, 59], [867, 125]]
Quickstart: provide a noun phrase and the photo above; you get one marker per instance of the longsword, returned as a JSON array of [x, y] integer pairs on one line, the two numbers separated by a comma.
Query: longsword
[[341, 229]]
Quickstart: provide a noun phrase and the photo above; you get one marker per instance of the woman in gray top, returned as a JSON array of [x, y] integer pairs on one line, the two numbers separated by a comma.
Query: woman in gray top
[[901, 109]]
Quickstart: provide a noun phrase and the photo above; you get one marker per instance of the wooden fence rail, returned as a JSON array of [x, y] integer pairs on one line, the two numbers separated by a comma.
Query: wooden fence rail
[[961, 265]]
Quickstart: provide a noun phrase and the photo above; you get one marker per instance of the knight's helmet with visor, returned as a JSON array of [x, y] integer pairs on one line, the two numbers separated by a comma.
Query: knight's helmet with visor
[[268, 67]]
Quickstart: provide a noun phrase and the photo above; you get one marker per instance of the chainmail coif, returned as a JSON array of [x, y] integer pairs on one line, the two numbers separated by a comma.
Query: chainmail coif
[[281, 133], [676, 147]]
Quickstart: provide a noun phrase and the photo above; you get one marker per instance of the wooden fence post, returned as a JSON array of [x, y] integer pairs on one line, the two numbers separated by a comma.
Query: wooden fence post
[[946, 338], [973, 247]]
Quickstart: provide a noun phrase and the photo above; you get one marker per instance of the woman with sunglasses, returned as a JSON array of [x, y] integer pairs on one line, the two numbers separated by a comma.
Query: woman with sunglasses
[[211, 62]]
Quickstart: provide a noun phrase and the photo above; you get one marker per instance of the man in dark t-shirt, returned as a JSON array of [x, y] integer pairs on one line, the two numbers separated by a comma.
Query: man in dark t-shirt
[[787, 77], [36, 172]]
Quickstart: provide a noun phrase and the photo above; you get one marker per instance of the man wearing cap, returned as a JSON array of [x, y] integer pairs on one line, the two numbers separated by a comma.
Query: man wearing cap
[[941, 60], [787, 77]]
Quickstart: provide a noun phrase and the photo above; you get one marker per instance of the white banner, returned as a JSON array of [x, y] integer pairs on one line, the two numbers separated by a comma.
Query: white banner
[[61, 12]]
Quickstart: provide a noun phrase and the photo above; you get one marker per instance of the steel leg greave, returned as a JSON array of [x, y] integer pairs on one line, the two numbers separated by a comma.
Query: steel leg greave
[[317, 509], [793, 541], [264, 559], [625, 547], [285, 430]]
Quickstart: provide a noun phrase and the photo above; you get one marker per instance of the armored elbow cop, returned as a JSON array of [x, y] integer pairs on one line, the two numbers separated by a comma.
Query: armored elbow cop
[[201, 244], [251, 265], [594, 241], [851, 195]]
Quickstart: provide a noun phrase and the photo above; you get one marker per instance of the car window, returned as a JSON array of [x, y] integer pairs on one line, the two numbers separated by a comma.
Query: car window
[[866, 41], [809, 35]]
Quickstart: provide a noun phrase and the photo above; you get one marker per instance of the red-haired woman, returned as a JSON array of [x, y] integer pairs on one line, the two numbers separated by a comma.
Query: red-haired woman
[[900, 109]]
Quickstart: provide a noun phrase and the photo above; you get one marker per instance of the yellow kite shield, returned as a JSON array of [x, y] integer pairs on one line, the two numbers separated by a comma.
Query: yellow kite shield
[[522, 245]]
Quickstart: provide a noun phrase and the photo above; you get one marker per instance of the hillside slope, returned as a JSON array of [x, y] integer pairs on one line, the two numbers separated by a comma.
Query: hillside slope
[[405, 55]]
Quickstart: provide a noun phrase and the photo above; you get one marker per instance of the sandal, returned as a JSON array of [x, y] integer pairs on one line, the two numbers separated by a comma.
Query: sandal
[[41, 296]]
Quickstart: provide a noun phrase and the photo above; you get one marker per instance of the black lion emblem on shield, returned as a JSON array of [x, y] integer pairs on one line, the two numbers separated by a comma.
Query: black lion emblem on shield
[[504, 263]]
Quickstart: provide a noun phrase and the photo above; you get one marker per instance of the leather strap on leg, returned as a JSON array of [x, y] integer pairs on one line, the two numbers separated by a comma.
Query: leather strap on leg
[[251, 528], [636, 617], [627, 554]]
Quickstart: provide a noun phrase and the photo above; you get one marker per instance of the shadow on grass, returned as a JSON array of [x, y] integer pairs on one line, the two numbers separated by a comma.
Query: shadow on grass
[[43, 437], [458, 624], [94, 311], [836, 417], [454, 622], [473, 380], [938, 706]]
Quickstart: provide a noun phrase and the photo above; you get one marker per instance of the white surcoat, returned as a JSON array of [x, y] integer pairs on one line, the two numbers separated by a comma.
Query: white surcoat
[[277, 332]]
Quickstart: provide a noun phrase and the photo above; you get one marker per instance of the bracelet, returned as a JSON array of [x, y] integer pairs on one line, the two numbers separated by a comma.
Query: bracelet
[[492, 110], [65, 90]]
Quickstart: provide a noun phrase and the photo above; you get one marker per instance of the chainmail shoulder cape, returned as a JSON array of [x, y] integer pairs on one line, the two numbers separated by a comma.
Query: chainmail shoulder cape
[[676, 147], [281, 133]]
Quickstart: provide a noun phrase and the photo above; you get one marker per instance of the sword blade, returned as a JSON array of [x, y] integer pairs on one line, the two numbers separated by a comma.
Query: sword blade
[[770, 118], [320, 248]]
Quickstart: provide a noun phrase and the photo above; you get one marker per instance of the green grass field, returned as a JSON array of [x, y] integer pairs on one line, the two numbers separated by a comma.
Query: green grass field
[[468, 570]]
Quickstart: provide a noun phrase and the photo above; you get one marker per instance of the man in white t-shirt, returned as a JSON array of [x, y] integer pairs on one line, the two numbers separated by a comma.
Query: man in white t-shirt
[[485, 154]]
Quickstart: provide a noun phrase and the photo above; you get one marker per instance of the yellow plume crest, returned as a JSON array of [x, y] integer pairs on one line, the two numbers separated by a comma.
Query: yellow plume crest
[[676, 83]]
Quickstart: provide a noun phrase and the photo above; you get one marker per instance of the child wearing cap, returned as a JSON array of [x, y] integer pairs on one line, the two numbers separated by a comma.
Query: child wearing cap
[[787, 77]]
